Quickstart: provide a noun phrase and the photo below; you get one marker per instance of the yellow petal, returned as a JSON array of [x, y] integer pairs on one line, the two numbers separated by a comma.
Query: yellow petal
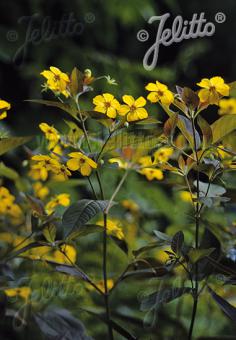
[[129, 100], [108, 97], [98, 100], [140, 102], [111, 112], [205, 83], [73, 164], [123, 110], [85, 169], [153, 97], [151, 87]]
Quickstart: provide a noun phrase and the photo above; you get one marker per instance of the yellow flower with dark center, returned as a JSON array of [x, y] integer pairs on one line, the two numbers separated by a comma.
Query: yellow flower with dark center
[[23, 292], [47, 162], [134, 109], [61, 199], [130, 205], [159, 93], [57, 81], [227, 106], [212, 90], [37, 172], [4, 107], [113, 228], [122, 164], [152, 173], [81, 162], [40, 190], [107, 104], [8, 206], [163, 154], [51, 134]]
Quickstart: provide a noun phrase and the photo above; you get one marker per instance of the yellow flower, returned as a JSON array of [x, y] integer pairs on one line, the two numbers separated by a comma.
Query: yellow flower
[[47, 253], [106, 104], [122, 164], [47, 163], [185, 196], [113, 228], [37, 172], [7, 206], [147, 161], [61, 199], [57, 81], [163, 154], [159, 93], [152, 173], [133, 109], [81, 162], [40, 190], [227, 106], [130, 205], [23, 292], [212, 90], [51, 134], [100, 285], [4, 107]]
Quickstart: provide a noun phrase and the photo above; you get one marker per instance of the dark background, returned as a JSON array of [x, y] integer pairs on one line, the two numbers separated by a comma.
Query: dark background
[[107, 45]]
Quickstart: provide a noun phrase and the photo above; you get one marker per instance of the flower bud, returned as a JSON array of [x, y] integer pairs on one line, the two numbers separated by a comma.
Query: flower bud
[[88, 73], [126, 124]]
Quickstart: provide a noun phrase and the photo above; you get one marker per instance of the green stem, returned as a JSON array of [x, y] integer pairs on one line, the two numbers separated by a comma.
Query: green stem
[[197, 222]]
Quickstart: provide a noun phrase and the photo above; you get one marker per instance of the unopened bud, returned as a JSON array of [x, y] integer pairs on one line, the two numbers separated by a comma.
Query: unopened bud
[[101, 161], [126, 124], [88, 73]]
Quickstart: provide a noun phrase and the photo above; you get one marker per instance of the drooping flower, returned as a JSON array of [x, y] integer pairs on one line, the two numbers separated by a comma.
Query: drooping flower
[[212, 90], [130, 205], [51, 134], [134, 109], [40, 190], [57, 81], [113, 228], [163, 154], [227, 106], [159, 93], [81, 162], [152, 173], [122, 164], [61, 199], [148, 168], [107, 104], [23, 292], [4, 107]]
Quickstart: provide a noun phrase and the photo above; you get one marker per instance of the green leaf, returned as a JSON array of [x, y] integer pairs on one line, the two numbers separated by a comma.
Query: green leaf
[[164, 238], [170, 125], [78, 214], [157, 299], [190, 98], [148, 247], [7, 144], [49, 232], [177, 242], [226, 307], [7, 172], [85, 230], [76, 81], [210, 191], [124, 139], [121, 244], [222, 127], [197, 254], [72, 271], [206, 132], [64, 107], [185, 127]]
